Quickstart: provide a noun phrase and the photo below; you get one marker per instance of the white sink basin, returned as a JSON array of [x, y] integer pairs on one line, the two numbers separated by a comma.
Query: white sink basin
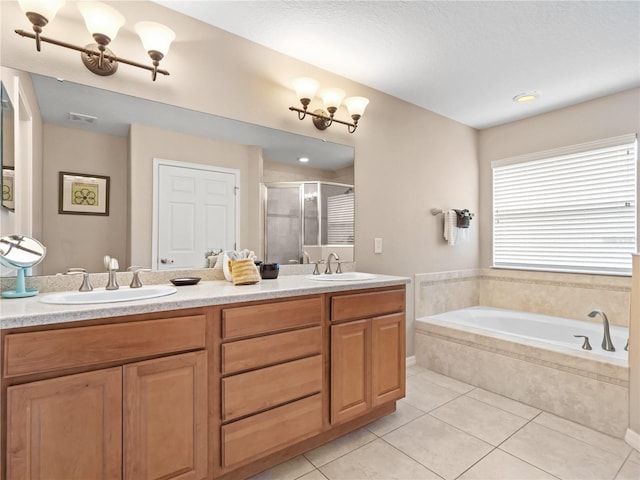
[[342, 277], [100, 295]]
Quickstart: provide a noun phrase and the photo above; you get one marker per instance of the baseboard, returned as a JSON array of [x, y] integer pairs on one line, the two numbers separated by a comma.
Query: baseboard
[[411, 361], [633, 439]]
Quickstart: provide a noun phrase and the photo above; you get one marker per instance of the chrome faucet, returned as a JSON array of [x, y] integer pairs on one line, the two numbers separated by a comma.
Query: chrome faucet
[[112, 267], [86, 283], [337, 259], [135, 278], [607, 344]]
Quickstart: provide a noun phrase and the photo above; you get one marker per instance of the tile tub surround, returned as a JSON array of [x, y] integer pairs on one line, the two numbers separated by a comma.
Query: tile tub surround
[[30, 311], [586, 391], [559, 294], [464, 433]]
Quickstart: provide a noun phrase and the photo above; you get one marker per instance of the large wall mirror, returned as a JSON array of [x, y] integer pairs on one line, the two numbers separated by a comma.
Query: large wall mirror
[[107, 140]]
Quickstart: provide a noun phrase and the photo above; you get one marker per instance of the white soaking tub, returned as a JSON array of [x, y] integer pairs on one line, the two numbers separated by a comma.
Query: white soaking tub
[[534, 359]]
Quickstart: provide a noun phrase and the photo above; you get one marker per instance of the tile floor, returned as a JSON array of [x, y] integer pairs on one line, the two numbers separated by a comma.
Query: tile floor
[[446, 429]]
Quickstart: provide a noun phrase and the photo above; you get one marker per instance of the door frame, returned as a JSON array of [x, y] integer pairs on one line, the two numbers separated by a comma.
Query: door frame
[[157, 163]]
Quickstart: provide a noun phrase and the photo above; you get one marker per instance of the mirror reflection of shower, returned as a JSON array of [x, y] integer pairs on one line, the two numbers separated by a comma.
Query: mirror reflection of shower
[[304, 221]]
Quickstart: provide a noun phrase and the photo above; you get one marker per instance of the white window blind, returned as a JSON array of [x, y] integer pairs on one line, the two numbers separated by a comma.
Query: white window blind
[[572, 212], [340, 219]]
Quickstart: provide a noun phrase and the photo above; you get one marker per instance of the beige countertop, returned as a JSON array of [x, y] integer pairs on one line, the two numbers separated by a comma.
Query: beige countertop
[[27, 312]]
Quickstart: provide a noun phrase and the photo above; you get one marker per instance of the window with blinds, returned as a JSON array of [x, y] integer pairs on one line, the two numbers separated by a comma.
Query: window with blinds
[[571, 210]]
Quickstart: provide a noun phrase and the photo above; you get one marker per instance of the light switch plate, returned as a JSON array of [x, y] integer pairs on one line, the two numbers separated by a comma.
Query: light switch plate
[[377, 245]]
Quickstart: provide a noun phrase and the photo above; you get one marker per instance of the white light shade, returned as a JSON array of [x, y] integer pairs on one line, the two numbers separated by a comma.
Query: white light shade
[[101, 18], [356, 105], [305, 87], [155, 36], [332, 97], [46, 8]]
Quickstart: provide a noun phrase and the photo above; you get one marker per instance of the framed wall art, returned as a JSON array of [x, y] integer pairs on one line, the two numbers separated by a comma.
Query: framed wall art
[[8, 188], [83, 194]]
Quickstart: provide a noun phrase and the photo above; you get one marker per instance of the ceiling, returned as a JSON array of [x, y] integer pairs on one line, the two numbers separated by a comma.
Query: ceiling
[[465, 60]]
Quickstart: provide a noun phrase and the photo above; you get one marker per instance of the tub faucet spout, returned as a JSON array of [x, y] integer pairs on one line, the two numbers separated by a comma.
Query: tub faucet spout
[[607, 344]]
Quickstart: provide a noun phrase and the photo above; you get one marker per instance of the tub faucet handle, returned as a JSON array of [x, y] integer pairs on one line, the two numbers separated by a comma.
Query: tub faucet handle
[[626, 347], [585, 345]]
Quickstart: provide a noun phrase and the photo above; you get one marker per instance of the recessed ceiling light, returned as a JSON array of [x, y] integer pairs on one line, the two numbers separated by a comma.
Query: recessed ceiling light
[[303, 159], [526, 97]]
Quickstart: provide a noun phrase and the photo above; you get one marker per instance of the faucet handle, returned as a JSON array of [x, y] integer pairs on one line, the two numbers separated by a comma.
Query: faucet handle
[[135, 280], [86, 283], [316, 270], [339, 269], [585, 345]]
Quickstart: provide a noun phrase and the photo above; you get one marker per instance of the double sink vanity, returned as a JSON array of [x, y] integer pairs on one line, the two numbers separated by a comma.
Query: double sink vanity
[[212, 381]]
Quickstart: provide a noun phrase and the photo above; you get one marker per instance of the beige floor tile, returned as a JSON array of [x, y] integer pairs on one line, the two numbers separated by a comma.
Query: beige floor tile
[[415, 370], [290, 470], [511, 406], [613, 445], [438, 446], [315, 475], [499, 465], [635, 456], [488, 423], [561, 455], [426, 395], [339, 447], [629, 471], [376, 461], [446, 382], [404, 413]]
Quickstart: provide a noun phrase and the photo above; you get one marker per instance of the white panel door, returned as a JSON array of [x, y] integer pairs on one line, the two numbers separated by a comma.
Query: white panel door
[[196, 213]]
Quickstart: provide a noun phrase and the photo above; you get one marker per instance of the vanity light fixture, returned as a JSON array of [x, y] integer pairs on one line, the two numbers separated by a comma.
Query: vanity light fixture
[[332, 98], [103, 23], [526, 97]]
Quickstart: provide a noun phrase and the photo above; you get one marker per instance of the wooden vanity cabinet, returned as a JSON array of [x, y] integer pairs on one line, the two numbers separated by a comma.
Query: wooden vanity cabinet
[[367, 351], [139, 419], [272, 378]]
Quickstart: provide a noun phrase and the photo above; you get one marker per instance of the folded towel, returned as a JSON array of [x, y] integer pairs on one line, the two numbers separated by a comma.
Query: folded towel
[[222, 264], [450, 226], [244, 271]]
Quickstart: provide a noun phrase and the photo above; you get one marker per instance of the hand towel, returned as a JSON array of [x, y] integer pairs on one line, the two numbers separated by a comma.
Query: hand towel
[[450, 228], [244, 272]]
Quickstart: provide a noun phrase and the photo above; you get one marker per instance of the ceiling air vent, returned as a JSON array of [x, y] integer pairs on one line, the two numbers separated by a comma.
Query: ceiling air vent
[[81, 118]]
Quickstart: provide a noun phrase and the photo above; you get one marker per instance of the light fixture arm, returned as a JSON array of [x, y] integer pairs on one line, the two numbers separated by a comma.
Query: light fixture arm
[[324, 120], [153, 69]]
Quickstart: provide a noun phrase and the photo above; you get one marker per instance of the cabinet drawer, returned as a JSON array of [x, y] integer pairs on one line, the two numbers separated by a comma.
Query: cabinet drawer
[[244, 440], [252, 392], [363, 305], [270, 317], [35, 352], [269, 349]]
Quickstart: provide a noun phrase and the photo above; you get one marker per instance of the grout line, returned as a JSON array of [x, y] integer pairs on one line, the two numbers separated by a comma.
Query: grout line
[[346, 453], [409, 456], [504, 410]]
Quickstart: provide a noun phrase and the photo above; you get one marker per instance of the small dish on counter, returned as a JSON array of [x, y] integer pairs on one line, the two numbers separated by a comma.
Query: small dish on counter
[[182, 281]]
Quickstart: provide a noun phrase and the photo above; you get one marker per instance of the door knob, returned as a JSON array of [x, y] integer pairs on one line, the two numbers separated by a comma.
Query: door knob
[[166, 260]]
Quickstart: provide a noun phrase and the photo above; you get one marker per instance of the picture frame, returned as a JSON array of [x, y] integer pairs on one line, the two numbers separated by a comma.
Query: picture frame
[[8, 188], [83, 194]]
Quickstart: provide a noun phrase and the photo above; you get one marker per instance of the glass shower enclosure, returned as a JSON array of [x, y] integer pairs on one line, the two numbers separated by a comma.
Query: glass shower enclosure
[[308, 217]]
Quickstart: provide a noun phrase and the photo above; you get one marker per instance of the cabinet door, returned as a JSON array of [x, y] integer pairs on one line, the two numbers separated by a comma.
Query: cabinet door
[[165, 418], [350, 370], [387, 358], [66, 428]]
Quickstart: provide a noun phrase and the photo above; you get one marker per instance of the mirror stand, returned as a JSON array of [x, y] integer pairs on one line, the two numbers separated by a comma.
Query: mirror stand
[[21, 291]]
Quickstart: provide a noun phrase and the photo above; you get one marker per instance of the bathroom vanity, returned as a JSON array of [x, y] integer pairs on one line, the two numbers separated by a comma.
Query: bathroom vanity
[[214, 381]]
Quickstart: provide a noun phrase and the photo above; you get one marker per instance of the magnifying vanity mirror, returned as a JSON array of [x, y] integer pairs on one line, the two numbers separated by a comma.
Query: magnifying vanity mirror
[[104, 140], [20, 252]]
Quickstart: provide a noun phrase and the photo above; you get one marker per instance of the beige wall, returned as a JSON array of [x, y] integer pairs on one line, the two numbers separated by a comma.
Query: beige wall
[[408, 159], [634, 354], [147, 143], [83, 240]]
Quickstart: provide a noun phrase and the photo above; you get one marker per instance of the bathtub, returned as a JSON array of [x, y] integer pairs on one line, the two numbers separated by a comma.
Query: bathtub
[[534, 359]]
